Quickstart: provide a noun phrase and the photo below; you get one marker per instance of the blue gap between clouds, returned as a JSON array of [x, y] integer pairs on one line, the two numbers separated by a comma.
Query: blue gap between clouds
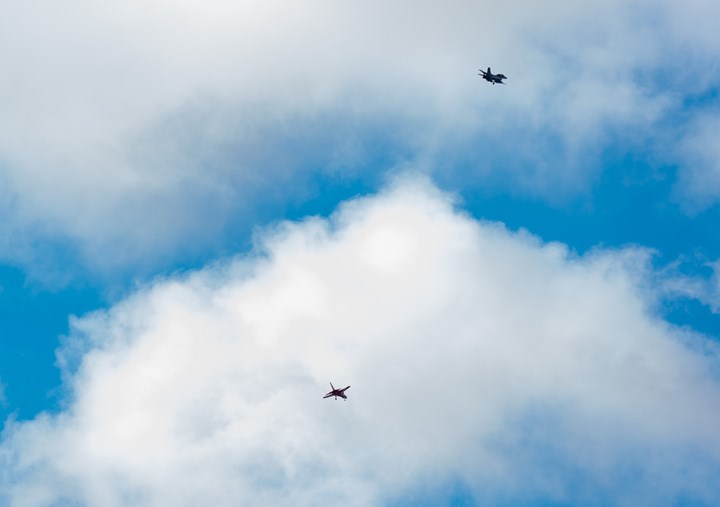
[[629, 205], [32, 319]]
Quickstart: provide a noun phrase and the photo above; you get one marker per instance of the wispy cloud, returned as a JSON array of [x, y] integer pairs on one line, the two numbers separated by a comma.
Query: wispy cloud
[[476, 356], [699, 157], [705, 289]]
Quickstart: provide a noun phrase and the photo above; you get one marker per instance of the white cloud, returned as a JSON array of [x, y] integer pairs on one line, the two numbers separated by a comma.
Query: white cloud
[[705, 289], [129, 127], [698, 153], [475, 355]]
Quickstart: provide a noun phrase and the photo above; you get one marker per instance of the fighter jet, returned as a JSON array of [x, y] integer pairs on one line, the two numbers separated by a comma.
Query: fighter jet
[[337, 392], [492, 78]]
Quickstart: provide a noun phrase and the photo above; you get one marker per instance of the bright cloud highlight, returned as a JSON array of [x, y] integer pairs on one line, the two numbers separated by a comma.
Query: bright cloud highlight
[[476, 356]]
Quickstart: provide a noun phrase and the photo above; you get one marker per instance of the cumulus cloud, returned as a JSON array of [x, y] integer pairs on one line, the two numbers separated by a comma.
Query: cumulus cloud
[[476, 355], [127, 128]]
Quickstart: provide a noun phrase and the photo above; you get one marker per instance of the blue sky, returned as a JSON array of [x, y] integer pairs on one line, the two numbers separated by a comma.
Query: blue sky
[[205, 202]]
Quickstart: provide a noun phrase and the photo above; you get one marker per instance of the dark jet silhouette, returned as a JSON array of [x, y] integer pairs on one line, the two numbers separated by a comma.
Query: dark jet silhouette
[[337, 392], [488, 76]]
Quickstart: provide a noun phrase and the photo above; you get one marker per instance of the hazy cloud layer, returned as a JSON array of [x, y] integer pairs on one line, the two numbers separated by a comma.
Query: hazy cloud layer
[[476, 356], [128, 127]]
